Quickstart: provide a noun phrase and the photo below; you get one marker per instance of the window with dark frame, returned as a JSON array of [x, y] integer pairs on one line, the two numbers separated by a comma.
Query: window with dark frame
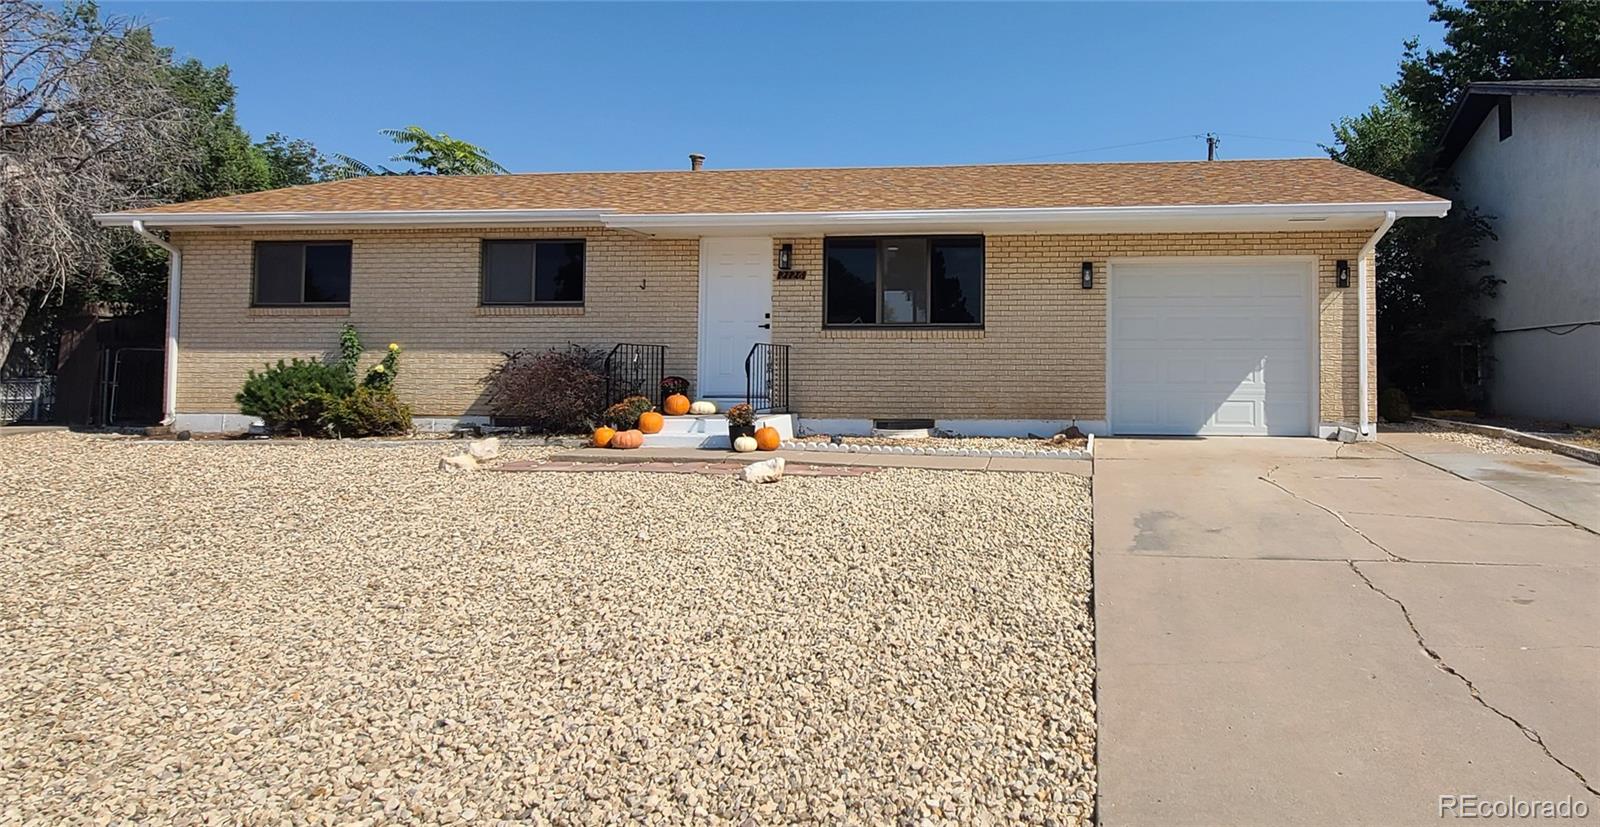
[[528, 272], [930, 281], [295, 273]]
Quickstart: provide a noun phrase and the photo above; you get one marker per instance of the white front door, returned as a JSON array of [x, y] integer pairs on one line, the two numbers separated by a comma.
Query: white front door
[[735, 310], [1212, 346]]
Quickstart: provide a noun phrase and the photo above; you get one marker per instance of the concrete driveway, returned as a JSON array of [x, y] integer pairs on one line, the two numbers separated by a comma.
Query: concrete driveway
[[1291, 631]]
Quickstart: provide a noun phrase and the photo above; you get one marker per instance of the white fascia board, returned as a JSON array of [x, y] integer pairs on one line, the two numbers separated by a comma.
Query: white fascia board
[[1029, 217], [645, 222], [408, 218]]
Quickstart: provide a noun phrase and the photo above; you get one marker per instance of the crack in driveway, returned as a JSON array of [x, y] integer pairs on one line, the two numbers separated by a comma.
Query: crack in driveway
[[1527, 732], [1267, 478]]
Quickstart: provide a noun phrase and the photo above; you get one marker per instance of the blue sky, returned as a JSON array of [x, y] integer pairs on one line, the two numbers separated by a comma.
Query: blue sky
[[638, 86]]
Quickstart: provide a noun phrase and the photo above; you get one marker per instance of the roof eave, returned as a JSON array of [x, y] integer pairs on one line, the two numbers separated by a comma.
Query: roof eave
[[392, 218], [977, 218], [1152, 217]]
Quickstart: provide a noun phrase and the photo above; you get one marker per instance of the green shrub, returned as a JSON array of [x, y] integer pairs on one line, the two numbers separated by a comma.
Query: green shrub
[[367, 411], [625, 414], [1393, 406], [292, 397], [315, 398]]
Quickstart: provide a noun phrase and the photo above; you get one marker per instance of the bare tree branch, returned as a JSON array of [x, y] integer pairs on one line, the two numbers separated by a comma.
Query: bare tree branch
[[87, 125]]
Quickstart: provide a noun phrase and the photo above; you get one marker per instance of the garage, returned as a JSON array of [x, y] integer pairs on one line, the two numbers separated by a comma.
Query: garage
[[1210, 346]]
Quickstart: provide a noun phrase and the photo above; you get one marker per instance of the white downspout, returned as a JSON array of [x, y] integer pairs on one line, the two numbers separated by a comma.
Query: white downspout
[[1362, 344], [169, 384]]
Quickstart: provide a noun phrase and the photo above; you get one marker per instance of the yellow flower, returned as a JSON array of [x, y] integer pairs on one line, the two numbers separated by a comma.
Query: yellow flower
[[377, 368], [394, 347]]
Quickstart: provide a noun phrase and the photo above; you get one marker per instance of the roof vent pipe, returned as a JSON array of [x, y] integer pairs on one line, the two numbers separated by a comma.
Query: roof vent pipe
[[696, 161]]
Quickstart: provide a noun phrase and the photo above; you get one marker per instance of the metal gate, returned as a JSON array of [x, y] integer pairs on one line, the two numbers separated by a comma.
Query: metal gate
[[130, 385]]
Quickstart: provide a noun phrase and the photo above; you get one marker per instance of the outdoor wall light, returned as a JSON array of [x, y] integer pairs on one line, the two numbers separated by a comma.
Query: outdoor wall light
[[1088, 275], [1341, 269], [786, 257]]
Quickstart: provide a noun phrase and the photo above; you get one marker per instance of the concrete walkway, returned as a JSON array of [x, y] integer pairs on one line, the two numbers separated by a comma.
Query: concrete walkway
[[1297, 632], [1081, 467]]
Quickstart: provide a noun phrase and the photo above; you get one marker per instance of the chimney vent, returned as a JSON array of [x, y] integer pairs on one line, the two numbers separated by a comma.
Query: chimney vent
[[696, 161]]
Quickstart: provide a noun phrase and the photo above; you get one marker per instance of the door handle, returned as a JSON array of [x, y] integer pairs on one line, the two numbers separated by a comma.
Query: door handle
[[765, 326]]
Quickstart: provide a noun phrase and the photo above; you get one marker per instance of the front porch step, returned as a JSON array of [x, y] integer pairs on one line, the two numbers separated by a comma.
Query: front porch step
[[710, 431]]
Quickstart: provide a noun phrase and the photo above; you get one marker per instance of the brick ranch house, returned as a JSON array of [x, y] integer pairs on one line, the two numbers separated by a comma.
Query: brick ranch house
[[1222, 297]]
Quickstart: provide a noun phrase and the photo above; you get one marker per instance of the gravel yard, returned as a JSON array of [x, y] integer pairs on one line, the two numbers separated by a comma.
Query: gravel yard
[[325, 632]]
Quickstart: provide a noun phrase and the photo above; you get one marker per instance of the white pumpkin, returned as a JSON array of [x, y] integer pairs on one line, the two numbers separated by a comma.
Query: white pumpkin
[[744, 444], [703, 407]]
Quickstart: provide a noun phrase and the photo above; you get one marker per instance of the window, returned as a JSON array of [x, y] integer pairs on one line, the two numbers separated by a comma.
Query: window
[[918, 280], [533, 272], [291, 273]]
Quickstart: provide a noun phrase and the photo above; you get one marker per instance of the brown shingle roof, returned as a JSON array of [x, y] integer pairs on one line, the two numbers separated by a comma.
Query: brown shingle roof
[[1290, 181]]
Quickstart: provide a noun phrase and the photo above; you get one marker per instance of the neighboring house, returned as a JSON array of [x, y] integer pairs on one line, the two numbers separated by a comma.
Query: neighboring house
[[1527, 153], [1134, 298]]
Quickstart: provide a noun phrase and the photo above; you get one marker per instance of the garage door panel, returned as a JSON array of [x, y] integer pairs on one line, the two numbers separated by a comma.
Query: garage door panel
[[1238, 413], [1211, 348]]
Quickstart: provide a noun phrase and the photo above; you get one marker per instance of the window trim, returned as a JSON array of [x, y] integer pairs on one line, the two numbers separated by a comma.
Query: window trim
[[255, 271], [983, 251], [533, 276]]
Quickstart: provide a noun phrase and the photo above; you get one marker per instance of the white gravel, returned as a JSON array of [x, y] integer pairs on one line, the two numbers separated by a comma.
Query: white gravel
[[320, 633], [1478, 442]]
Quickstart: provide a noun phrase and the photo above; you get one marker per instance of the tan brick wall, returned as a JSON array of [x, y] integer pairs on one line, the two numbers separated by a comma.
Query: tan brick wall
[[420, 288], [1041, 354]]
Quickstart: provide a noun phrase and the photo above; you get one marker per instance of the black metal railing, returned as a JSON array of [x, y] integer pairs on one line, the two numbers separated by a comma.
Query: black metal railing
[[766, 378], [635, 370]]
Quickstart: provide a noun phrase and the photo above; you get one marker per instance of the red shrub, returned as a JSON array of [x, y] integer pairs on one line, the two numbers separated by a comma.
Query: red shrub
[[553, 391]]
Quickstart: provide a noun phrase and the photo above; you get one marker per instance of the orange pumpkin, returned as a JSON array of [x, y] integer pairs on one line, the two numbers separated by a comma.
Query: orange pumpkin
[[627, 439], [650, 422], [676, 405], [767, 438], [602, 436]]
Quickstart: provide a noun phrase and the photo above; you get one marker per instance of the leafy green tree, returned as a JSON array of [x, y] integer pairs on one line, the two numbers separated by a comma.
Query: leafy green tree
[[226, 161], [1432, 274], [223, 161], [1500, 40], [427, 153], [292, 162]]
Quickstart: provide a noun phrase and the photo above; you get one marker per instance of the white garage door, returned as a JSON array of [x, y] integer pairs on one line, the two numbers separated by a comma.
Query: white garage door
[[1211, 347]]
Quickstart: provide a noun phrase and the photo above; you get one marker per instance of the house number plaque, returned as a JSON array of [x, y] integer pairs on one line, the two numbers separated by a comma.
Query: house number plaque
[[785, 275]]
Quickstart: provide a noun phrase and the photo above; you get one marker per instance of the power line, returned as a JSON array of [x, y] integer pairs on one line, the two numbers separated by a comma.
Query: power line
[[1266, 138]]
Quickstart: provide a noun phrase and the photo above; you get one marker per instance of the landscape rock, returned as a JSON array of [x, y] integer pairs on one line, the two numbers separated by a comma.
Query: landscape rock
[[770, 470], [483, 450], [457, 463]]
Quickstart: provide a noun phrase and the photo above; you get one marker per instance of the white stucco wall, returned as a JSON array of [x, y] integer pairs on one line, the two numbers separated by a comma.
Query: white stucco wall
[[1542, 186]]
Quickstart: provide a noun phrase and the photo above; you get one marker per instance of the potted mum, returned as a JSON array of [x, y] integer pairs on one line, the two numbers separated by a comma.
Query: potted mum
[[741, 421]]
